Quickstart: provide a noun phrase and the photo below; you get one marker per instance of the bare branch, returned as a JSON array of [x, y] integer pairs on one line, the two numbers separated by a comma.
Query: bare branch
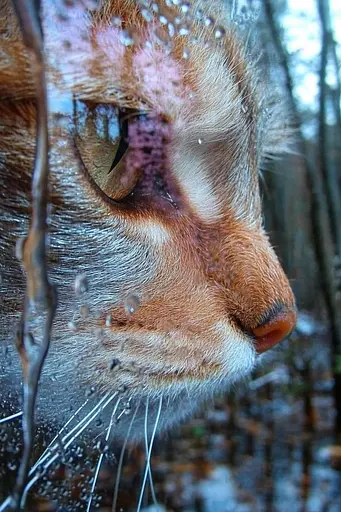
[[33, 337]]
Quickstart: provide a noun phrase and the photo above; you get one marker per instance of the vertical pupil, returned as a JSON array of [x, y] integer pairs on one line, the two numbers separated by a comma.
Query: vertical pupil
[[123, 144]]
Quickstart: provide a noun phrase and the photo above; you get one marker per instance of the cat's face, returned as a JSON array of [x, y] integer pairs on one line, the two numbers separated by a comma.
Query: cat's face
[[167, 283]]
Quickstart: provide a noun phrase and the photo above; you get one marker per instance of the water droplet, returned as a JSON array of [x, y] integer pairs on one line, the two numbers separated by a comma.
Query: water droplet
[[155, 7], [185, 7], [81, 284], [163, 20], [90, 391], [72, 326], [98, 422], [199, 14], [116, 21], [102, 447], [127, 405], [171, 30], [19, 248], [126, 37], [184, 30], [127, 408], [219, 32], [185, 53], [3, 437], [146, 14], [12, 466], [40, 471], [131, 304], [115, 363], [199, 141], [209, 21], [111, 459], [108, 320], [79, 451]]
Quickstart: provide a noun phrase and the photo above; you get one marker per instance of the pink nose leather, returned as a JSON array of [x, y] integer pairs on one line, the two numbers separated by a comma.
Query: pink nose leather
[[268, 335]]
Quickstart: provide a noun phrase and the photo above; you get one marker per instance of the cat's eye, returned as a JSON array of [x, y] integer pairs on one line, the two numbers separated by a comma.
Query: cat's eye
[[101, 137]]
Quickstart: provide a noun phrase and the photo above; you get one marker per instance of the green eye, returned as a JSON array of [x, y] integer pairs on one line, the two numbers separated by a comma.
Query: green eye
[[102, 141]]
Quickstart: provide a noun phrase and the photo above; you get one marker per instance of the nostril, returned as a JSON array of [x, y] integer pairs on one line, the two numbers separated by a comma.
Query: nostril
[[275, 330]]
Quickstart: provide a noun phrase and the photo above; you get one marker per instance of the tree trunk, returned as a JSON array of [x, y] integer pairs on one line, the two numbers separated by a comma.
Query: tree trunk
[[327, 168], [321, 223]]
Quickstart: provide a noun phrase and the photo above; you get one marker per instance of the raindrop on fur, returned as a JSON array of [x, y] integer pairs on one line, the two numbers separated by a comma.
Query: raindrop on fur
[[126, 38], [81, 284], [131, 304]]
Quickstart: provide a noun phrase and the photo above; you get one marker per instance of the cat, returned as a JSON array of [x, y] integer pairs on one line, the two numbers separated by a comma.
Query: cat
[[168, 287]]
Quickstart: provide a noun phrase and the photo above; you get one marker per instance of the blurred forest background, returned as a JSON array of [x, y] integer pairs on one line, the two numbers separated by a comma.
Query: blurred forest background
[[273, 444]]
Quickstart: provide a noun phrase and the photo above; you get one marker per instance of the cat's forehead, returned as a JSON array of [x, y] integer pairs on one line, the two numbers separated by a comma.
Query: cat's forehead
[[104, 59]]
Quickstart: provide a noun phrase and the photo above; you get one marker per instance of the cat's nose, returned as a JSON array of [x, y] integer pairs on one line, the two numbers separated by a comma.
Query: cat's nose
[[274, 329]]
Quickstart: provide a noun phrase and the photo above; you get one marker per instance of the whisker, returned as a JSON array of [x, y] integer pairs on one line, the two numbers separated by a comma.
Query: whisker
[[120, 462], [100, 459], [57, 444], [99, 408], [124, 410], [146, 472], [53, 457], [5, 504], [12, 417], [147, 448], [57, 436]]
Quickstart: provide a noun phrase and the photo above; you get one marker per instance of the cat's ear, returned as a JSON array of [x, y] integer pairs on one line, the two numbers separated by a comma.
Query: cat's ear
[[15, 74]]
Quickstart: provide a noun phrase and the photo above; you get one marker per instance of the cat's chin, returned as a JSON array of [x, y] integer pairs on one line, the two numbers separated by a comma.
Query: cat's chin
[[161, 403], [163, 411], [167, 399]]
